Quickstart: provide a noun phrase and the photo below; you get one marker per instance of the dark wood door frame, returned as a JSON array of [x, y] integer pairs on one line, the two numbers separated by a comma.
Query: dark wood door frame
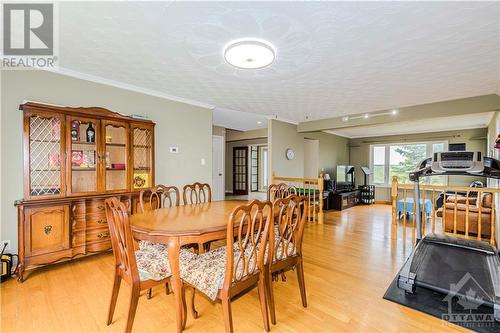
[[240, 170]]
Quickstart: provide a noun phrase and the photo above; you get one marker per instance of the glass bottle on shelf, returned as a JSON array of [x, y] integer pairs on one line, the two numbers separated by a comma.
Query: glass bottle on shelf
[[75, 130], [90, 133]]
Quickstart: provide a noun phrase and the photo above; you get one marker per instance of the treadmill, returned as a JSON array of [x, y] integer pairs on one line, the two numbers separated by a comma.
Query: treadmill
[[442, 263]]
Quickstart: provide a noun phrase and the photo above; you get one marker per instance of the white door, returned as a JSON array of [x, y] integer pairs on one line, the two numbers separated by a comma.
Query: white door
[[217, 168]]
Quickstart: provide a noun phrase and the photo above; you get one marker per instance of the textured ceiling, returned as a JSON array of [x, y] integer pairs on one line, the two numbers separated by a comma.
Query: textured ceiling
[[476, 120], [333, 58]]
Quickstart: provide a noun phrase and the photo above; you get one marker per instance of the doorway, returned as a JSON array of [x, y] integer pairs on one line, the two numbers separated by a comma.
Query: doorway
[[311, 158], [218, 146], [263, 177], [240, 170]]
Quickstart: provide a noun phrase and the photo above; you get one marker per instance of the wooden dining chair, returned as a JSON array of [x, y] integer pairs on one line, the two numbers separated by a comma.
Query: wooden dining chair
[[286, 245], [281, 190], [142, 269], [196, 193], [228, 271], [160, 196]]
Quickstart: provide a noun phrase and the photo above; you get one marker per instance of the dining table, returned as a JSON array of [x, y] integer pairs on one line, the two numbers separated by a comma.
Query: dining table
[[180, 225]]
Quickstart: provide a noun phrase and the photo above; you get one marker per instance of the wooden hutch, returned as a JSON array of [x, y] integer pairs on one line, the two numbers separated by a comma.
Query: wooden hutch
[[75, 158]]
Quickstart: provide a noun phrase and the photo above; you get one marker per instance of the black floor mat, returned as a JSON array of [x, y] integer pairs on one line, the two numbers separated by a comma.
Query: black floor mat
[[433, 303]]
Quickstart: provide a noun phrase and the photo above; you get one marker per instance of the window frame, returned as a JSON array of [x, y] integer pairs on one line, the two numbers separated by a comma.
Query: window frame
[[387, 158]]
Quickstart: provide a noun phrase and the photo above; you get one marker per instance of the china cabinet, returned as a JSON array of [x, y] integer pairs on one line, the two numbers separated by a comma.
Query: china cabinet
[[74, 158]]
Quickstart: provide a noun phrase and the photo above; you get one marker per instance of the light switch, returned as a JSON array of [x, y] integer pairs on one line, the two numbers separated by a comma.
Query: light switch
[[174, 150], [203, 162]]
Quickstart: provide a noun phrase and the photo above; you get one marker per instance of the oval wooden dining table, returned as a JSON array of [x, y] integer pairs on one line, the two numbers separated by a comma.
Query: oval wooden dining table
[[177, 226]]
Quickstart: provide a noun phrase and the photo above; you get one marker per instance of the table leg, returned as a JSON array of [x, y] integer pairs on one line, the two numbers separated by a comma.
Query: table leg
[[173, 257]]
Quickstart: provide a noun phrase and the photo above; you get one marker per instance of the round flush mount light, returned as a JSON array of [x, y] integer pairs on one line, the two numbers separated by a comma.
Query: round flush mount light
[[345, 118], [366, 116], [394, 112], [249, 53]]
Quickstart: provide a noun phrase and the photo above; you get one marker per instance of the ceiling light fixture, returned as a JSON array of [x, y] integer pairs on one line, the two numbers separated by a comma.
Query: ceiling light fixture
[[394, 112], [249, 53], [259, 123], [366, 116], [345, 118]]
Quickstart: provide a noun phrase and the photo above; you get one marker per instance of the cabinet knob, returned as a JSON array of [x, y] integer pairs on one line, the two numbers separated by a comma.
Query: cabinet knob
[[47, 229], [103, 235]]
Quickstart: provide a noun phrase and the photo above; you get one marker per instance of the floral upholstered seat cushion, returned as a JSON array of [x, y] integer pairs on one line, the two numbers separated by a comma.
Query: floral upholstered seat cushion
[[206, 271], [144, 245], [152, 261]]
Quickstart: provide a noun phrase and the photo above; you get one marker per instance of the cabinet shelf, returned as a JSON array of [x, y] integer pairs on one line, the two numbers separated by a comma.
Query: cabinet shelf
[[116, 169], [82, 169], [116, 144], [83, 143], [142, 146]]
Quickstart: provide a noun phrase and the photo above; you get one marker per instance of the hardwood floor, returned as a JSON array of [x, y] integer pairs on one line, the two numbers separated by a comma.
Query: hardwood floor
[[349, 262]]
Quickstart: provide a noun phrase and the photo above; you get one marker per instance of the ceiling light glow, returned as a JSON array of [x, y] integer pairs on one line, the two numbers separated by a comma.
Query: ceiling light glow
[[366, 116], [345, 118], [394, 111], [249, 54], [259, 123]]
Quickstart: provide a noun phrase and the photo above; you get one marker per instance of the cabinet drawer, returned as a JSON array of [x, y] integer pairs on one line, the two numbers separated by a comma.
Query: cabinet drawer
[[95, 206], [99, 246], [97, 235], [96, 220], [46, 229]]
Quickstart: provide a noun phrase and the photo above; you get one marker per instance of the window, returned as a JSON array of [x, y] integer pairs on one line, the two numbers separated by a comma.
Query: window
[[400, 159]]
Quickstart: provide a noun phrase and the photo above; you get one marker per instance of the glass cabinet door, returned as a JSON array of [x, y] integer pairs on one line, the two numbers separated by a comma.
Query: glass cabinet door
[[142, 138], [83, 161], [116, 155], [45, 166]]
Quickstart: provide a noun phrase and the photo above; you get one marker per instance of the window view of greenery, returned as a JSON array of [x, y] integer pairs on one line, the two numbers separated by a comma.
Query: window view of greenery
[[379, 165], [402, 159]]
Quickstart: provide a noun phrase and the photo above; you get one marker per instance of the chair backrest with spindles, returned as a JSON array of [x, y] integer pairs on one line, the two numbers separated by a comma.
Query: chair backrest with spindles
[[281, 190], [196, 193], [160, 196], [121, 238], [290, 220], [250, 225]]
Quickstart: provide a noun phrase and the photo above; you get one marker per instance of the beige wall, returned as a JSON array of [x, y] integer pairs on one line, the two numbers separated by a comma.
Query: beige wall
[[360, 151], [185, 126], [220, 131], [232, 135], [333, 149]]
